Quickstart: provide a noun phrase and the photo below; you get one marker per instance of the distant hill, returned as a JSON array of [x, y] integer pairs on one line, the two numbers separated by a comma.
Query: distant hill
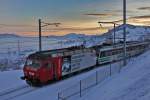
[[70, 36], [7, 35]]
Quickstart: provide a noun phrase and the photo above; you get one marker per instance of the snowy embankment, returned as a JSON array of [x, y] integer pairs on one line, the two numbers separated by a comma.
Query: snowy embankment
[[132, 83], [9, 79]]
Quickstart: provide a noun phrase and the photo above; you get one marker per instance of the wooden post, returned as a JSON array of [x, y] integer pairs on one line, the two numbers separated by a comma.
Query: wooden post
[[110, 69], [80, 89], [96, 77], [58, 95]]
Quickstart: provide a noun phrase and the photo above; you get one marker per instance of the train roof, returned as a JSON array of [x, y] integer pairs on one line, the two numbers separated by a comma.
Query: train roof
[[77, 49], [56, 52], [118, 46]]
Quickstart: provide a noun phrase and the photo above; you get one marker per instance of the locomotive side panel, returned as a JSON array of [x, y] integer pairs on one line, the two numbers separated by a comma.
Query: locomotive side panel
[[78, 61], [83, 60], [66, 65]]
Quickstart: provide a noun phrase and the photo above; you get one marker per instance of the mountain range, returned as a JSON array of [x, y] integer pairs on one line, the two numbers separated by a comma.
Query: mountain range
[[133, 33]]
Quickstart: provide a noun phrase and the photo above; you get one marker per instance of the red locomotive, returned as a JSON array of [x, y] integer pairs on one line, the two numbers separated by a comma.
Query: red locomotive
[[45, 66]]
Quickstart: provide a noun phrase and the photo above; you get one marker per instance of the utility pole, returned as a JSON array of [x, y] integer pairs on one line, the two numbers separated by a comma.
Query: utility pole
[[18, 47], [124, 31], [40, 39], [43, 24], [114, 36]]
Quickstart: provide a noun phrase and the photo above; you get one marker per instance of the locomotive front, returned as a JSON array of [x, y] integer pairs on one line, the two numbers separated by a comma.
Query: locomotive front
[[31, 71], [40, 69]]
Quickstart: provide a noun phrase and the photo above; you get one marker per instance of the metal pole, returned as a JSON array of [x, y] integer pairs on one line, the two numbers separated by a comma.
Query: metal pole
[[18, 47], [124, 30], [96, 77], [114, 33], [40, 44]]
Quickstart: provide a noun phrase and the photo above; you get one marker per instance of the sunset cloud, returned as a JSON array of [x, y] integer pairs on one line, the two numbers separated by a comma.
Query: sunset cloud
[[143, 8], [119, 11], [141, 17], [137, 20], [14, 25], [78, 28], [140, 20], [99, 14]]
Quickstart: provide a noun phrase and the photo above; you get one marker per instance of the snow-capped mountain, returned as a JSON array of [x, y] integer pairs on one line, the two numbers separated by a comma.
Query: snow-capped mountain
[[133, 33], [70, 36], [74, 36]]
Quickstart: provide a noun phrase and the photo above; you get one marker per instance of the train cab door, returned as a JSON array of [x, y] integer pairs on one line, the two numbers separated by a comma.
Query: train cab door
[[46, 71], [49, 70], [54, 74], [57, 68]]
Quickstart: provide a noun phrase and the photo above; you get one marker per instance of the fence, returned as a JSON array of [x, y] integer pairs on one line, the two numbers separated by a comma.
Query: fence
[[81, 87]]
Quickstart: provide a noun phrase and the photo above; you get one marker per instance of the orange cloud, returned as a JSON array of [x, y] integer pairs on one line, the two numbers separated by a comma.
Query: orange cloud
[[141, 17], [144, 8], [140, 20], [76, 28], [15, 25], [99, 14], [136, 20]]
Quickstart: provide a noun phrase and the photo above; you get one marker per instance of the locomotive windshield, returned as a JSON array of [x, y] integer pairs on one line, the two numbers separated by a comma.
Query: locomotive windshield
[[33, 63]]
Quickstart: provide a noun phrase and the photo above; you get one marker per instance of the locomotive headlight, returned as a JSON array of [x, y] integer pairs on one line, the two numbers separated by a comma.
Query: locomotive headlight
[[31, 73]]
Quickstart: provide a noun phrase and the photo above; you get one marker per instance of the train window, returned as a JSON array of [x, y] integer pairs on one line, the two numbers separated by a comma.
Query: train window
[[117, 51], [33, 63], [131, 48], [105, 53], [48, 65], [109, 53], [102, 54], [128, 49], [113, 52]]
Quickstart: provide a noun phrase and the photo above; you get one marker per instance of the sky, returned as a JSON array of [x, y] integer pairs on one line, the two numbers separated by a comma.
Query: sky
[[76, 16]]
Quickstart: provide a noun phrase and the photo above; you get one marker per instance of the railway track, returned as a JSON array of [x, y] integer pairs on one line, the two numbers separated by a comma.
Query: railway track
[[12, 93]]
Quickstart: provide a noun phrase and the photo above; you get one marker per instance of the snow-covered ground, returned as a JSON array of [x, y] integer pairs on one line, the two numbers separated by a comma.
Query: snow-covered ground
[[10, 79], [132, 83]]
